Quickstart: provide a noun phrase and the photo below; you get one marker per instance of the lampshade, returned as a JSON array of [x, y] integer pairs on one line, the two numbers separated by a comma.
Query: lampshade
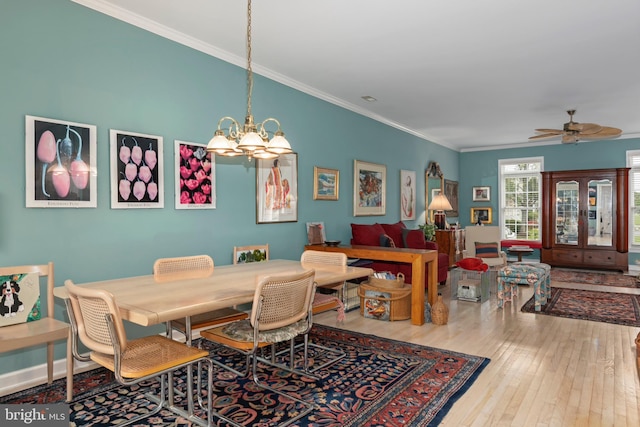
[[440, 203]]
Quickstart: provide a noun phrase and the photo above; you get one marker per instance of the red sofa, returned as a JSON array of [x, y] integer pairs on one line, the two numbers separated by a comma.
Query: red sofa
[[399, 236]]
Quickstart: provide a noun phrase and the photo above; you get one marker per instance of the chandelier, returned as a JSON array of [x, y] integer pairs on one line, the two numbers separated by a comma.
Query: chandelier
[[250, 139]]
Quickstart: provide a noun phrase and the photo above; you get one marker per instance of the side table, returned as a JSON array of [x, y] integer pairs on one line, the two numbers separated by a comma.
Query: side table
[[519, 252]]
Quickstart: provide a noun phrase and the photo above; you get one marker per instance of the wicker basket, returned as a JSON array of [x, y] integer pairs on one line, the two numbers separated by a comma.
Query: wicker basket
[[396, 283], [399, 300]]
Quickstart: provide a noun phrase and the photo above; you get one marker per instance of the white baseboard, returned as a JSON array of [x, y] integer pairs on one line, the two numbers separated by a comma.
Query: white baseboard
[[23, 379]]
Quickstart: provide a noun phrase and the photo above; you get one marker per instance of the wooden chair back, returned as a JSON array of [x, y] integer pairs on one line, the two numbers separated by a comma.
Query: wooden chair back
[[178, 268]]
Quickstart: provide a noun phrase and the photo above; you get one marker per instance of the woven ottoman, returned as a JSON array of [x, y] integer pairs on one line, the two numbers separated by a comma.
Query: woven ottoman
[[520, 273]]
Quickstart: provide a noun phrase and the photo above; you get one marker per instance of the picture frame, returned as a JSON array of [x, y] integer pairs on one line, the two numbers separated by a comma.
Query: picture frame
[[481, 194], [316, 234], [407, 195], [277, 189], [369, 188], [483, 213], [326, 183], [69, 149], [451, 192], [195, 171], [137, 173]]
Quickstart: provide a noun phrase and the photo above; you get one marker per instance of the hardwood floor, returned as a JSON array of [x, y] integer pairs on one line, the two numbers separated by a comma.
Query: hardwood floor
[[544, 370]]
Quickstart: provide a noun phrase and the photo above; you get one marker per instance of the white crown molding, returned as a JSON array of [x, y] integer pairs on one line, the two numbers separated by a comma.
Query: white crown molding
[[178, 37]]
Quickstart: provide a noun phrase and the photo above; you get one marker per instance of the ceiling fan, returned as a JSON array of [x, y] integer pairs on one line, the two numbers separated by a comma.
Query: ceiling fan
[[572, 132]]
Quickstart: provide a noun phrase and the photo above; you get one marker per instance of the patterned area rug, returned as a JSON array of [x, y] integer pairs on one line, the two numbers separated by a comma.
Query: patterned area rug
[[380, 382], [608, 307], [593, 277]]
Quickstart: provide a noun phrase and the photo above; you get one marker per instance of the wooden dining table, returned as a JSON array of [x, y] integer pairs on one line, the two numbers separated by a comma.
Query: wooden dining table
[[145, 302]]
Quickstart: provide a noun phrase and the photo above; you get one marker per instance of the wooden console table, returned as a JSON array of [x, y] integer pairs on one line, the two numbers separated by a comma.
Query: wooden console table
[[418, 258]]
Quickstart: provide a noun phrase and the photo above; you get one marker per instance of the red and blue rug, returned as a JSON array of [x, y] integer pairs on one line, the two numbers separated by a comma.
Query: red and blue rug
[[604, 278], [608, 307], [381, 382]]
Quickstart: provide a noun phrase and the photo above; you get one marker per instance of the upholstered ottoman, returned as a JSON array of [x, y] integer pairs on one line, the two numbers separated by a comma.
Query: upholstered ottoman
[[520, 273]]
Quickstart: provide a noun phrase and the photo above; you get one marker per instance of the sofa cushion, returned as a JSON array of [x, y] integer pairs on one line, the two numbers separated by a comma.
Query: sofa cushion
[[487, 249], [413, 239], [395, 232], [366, 234]]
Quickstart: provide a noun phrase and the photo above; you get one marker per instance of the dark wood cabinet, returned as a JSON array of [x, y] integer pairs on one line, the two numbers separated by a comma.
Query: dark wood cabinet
[[451, 242], [585, 218]]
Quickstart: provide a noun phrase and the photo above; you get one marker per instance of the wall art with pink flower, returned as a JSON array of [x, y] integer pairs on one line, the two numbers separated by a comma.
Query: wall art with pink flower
[[60, 164], [137, 178], [195, 176]]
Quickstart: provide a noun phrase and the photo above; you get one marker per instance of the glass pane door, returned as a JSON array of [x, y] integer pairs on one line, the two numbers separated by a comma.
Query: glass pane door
[[600, 213], [567, 210]]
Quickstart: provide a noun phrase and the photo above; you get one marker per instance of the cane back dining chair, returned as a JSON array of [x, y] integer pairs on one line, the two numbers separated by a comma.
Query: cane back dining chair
[[280, 312], [192, 267], [251, 253], [96, 319], [45, 330]]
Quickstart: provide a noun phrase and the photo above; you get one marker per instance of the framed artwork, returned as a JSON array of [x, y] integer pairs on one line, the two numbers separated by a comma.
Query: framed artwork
[[407, 195], [451, 191], [482, 214], [137, 178], [60, 164], [369, 188], [326, 183], [315, 233], [481, 194], [277, 189], [195, 176]]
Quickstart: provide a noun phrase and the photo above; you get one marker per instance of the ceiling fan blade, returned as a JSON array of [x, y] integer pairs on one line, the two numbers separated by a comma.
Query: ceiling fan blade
[[556, 131], [588, 128], [543, 136], [605, 132]]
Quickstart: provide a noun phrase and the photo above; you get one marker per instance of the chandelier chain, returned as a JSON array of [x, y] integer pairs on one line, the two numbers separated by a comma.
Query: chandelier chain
[[249, 69]]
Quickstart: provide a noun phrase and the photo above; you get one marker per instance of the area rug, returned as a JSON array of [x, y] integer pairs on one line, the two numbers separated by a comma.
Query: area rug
[[593, 277], [608, 307], [381, 382]]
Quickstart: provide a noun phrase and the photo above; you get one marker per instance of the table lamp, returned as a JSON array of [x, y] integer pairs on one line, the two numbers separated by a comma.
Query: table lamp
[[440, 204]]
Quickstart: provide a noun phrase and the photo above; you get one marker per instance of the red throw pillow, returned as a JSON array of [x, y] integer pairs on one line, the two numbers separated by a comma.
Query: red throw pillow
[[413, 239], [472, 264], [395, 232], [366, 234]]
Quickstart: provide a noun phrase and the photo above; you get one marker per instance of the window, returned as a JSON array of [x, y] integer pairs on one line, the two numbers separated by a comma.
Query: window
[[633, 161], [520, 198]]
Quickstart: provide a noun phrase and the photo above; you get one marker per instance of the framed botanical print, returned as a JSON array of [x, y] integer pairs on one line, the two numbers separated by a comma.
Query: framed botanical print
[[60, 164], [137, 178], [369, 188], [407, 195], [277, 189], [326, 183], [195, 185]]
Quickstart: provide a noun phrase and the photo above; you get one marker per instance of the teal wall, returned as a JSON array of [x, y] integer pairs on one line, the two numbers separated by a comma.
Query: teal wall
[[67, 62]]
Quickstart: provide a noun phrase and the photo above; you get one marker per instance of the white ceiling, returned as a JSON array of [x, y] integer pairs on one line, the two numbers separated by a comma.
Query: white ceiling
[[465, 74]]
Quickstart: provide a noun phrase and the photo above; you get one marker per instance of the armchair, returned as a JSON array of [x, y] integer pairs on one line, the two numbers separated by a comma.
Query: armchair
[[490, 253]]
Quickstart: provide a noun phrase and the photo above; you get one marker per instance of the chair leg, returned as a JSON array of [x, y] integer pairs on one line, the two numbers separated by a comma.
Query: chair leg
[[50, 362], [69, 367]]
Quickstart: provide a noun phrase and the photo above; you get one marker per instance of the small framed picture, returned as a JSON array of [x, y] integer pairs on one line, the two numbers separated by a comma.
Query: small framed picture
[[369, 188], [482, 215], [407, 195], [481, 194], [316, 233], [326, 183]]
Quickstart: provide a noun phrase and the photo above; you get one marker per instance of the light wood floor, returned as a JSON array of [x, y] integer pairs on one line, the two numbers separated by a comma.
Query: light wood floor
[[544, 370]]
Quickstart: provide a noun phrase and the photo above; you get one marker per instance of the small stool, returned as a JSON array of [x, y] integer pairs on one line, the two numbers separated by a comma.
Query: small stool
[[520, 273]]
